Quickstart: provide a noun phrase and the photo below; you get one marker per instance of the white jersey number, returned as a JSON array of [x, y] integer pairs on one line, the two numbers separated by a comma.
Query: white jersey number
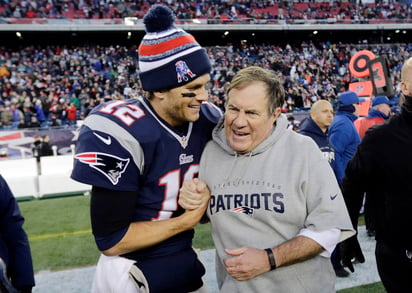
[[171, 181], [127, 113]]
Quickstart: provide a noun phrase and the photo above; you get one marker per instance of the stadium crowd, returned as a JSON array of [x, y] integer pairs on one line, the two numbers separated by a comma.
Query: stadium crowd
[[55, 86], [214, 10]]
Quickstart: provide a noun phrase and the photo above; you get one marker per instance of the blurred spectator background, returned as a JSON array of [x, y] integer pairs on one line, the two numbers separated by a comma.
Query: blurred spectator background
[[44, 84]]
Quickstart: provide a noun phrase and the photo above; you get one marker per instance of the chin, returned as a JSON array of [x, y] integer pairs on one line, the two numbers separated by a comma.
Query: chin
[[238, 148], [193, 118]]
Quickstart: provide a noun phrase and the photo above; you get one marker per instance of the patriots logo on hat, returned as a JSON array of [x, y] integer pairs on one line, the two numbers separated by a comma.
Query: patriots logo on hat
[[244, 210], [182, 71], [110, 166]]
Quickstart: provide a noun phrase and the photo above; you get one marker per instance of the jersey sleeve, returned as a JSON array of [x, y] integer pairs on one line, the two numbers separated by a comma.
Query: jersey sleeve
[[107, 156], [211, 112]]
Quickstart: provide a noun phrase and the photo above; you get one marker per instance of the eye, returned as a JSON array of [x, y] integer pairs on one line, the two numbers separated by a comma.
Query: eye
[[232, 109], [252, 113]]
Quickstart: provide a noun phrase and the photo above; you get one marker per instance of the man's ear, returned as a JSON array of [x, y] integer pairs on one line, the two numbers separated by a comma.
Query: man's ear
[[159, 95], [276, 114], [278, 111], [404, 89]]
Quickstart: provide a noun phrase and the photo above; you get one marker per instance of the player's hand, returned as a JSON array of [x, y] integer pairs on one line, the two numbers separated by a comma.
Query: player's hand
[[195, 197], [246, 263], [192, 194], [349, 250]]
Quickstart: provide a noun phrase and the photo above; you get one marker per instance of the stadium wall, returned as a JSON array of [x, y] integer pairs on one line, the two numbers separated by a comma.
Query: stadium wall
[[107, 32]]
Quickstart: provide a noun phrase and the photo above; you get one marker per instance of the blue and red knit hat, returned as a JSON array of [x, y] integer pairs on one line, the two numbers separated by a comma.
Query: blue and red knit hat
[[169, 57]]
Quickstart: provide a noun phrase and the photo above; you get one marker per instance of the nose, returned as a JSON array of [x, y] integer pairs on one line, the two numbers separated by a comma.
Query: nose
[[202, 95], [240, 119]]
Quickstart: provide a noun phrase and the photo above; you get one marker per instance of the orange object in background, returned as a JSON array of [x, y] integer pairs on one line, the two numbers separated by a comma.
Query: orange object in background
[[364, 89], [358, 64]]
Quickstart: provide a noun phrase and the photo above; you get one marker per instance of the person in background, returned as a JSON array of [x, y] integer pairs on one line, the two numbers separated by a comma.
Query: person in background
[[36, 147], [71, 114], [316, 126], [382, 166], [45, 147], [292, 123], [342, 132], [344, 138], [14, 244], [276, 210], [136, 153], [378, 113]]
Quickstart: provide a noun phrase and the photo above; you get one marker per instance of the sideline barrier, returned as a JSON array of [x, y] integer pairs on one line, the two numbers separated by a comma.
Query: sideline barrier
[[21, 176], [51, 177], [54, 178]]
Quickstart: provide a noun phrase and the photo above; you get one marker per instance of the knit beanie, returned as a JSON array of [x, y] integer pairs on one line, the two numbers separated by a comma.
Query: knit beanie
[[169, 57]]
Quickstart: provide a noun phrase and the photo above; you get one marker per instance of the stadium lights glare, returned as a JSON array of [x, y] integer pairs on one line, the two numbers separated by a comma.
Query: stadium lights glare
[[18, 34], [404, 32], [397, 31], [315, 32], [130, 20], [129, 35], [226, 33]]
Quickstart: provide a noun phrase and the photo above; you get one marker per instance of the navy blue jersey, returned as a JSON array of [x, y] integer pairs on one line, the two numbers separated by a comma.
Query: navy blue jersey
[[125, 146]]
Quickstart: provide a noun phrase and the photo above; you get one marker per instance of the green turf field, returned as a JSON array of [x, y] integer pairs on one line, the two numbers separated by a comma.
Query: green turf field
[[60, 236]]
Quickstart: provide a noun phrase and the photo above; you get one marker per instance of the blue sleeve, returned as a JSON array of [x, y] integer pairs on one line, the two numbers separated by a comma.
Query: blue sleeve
[[100, 160], [339, 136], [111, 215], [14, 244], [211, 112]]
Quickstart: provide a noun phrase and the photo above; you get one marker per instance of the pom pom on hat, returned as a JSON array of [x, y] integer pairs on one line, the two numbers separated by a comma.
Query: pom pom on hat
[[169, 57], [158, 18]]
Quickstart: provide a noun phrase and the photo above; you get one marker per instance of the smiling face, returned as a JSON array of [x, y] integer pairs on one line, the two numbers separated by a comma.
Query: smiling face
[[247, 119], [182, 104]]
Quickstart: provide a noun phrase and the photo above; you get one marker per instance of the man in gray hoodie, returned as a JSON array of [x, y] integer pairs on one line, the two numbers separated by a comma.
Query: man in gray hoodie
[[276, 209]]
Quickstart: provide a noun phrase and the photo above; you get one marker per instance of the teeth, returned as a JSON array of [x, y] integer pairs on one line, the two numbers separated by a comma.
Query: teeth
[[239, 133]]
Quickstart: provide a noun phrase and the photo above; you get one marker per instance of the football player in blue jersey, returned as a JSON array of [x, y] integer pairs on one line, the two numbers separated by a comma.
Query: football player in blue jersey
[[136, 153]]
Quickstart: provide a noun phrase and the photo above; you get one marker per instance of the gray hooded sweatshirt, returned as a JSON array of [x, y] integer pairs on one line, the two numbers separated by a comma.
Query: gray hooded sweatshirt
[[266, 197]]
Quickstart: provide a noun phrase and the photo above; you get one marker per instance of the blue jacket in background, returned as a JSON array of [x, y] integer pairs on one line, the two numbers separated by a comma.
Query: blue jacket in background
[[344, 139], [309, 128], [14, 244]]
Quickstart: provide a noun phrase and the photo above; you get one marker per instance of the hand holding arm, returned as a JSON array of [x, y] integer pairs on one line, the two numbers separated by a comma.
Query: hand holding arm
[[191, 194]]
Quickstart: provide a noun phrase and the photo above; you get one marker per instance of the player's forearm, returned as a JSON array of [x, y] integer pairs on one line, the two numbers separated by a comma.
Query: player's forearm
[[296, 250], [145, 234]]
